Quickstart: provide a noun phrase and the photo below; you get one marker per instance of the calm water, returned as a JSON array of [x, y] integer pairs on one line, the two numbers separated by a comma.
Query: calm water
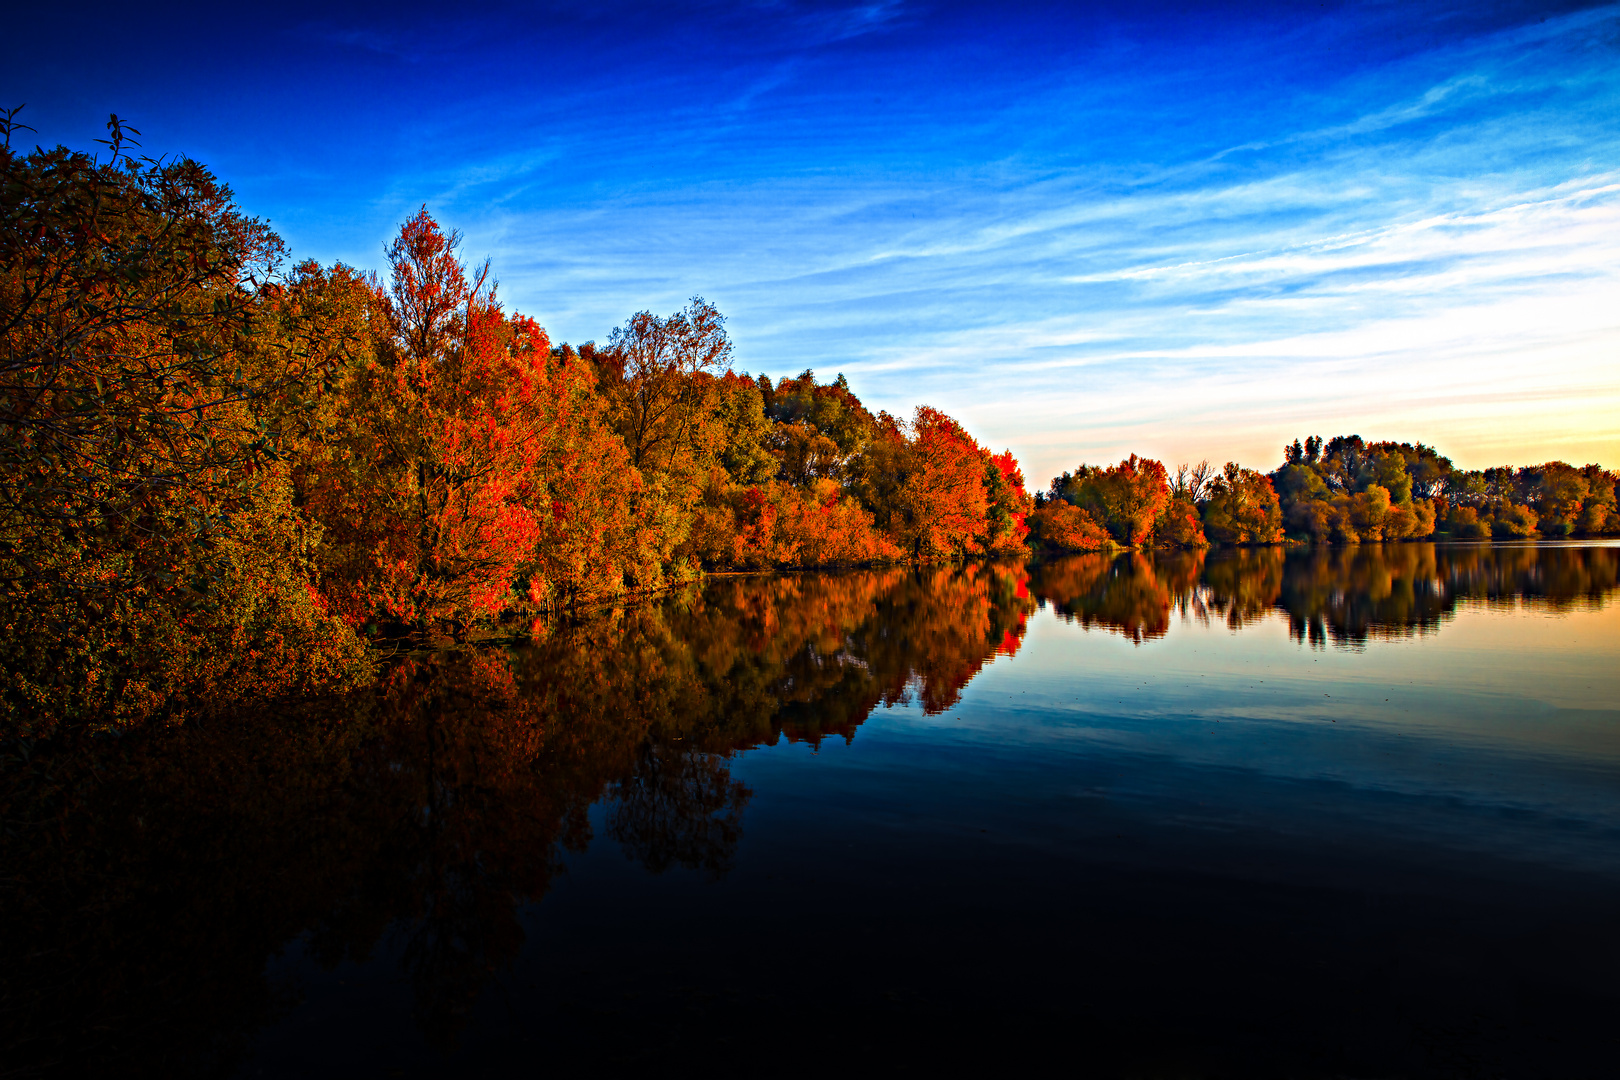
[[1344, 813]]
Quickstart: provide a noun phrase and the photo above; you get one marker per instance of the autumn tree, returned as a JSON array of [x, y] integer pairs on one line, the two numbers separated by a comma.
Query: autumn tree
[[473, 461], [1009, 504], [1125, 499], [1599, 515], [1180, 522], [592, 539], [1242, 508], [1558, 491], [139, 448], [1190, 484], [944, 500], [1347, 490], [1180, 525], [879, 475], [746, 453], [803, 454], [828, 411], [1062, 526], [650, 373]]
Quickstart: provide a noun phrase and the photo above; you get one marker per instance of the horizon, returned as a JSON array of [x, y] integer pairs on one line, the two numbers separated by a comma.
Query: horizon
[[1197, 231]]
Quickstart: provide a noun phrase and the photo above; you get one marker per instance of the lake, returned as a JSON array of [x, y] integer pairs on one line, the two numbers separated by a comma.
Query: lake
[[1332, 812]]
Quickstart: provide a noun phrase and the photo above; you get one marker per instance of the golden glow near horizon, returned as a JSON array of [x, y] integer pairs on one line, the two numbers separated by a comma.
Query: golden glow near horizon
[[1499, 343]]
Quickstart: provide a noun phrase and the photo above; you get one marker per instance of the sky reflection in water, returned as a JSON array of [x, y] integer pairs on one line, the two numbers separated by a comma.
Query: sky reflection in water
[[1352, 811]]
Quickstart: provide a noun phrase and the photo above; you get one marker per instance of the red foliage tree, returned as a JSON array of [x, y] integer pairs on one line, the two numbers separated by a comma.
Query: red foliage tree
[[944, 496], [447, 425], [1010, 504]]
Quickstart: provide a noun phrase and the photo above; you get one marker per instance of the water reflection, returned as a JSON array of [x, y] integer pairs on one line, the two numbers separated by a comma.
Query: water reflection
[[1340, 595], [679, 807], [148, 880]]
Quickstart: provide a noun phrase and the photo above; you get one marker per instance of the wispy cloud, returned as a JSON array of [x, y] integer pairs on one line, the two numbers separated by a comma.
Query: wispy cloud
[[1137, 251]]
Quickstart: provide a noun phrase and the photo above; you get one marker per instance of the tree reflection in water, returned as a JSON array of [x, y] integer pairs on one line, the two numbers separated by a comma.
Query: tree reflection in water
[[147, 879], [1340, 595], [679, 807]]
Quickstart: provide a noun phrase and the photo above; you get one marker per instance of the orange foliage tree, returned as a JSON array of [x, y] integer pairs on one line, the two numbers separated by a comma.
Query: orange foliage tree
[[1125, 499], [1242, 508], [149, 561], [1010, 504], [944, 498], [1066, 527], [438, 490]]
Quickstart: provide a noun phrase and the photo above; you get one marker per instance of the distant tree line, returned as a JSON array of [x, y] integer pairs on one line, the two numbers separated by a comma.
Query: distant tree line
[[1347, 490], [1342, 491]]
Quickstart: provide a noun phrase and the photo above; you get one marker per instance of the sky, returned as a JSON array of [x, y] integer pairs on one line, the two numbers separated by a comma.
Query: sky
[[1185, 230]]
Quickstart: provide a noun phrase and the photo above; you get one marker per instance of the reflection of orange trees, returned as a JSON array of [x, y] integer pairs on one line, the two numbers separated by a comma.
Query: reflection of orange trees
[[1181, 572], [678, 807], [1245, 584], [1566, 578], [424, 813], [944, 626], [421, 817], [748, 659], [479, 830], [751, 659], [1348, 595], [1556, 578], [1343, 595], [1124, 593]]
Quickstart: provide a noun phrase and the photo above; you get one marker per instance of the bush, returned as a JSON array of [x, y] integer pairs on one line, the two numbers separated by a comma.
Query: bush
[[1064, 527]]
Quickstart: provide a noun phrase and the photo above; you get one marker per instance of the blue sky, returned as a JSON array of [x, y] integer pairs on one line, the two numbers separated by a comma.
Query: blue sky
[[1180, 229]]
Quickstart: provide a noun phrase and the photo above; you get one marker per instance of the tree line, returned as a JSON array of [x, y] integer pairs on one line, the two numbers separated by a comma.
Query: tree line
[[1341, 491], [225, 475]]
